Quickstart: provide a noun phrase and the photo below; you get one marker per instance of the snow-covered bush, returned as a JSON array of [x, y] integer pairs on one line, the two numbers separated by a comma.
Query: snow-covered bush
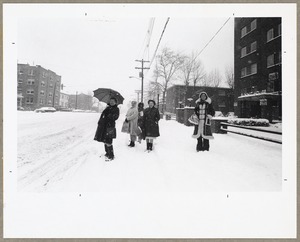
[[249, 122]]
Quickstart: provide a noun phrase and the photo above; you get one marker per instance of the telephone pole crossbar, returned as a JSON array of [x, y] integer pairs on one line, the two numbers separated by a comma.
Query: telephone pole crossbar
[[142, 76]]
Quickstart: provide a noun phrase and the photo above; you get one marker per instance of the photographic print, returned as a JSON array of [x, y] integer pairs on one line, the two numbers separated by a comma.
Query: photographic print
[[113, 104]]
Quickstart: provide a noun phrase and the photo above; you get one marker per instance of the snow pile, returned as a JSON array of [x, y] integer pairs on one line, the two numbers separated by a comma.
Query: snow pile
[[249, 122], [57, 153]]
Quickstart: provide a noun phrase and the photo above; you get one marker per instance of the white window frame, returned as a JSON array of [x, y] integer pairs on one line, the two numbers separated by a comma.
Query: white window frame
[[29, 100], [243, 51], [253, 72], [270, 38], [254, 43], [20, 81], [30, 91], [243, 31], [43, 83], [253, 25], [49, 102], [42, 92]]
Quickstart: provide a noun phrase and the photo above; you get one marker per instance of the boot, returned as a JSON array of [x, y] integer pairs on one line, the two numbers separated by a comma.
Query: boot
[[206, 144], [199, 144], [110, 156], [106, 150], [150, 146]]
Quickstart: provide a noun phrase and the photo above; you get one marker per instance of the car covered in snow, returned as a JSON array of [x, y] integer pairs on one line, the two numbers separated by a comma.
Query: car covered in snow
[[45, 110]]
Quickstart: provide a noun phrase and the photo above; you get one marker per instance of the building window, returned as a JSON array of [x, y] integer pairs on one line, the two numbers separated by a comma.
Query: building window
[[222, 105], [29, 100], [42, 92], [243, 51], [50, 94], [41, 101], [21, 72], [270, 60], [247, 29], [44, 74], [30, 82], [253, 68], [20, 81], [49, 101], [51, 85], [222, 93], [243, 72], [243, 32], [279, 30], [19, 89], [253, 25], [30, 91], [270, 35], [253, 46], [42, 83], [30, 72]]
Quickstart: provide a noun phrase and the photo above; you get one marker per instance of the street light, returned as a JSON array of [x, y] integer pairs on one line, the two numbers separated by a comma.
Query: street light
[[142, 87]]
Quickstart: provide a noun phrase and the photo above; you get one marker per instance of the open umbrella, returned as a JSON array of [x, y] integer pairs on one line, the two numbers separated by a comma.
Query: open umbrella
[[105, 94]]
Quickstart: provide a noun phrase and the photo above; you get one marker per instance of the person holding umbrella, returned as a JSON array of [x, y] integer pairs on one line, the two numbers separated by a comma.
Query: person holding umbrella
[[106, 130], [150, 120]]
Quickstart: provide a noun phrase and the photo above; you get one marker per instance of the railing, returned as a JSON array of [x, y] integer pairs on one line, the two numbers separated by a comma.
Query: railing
[[225, 125]]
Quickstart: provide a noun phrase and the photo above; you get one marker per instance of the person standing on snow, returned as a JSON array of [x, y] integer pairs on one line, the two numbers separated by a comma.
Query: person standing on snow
[[204, 111], [150, 120], [106, 130], [132, 119], [140, 121]]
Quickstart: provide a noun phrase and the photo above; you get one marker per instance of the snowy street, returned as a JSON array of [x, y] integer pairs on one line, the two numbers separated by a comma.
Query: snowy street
[[57, 153]]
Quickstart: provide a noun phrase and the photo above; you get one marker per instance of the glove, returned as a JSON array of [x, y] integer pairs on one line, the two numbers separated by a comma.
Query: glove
[[126, 120]]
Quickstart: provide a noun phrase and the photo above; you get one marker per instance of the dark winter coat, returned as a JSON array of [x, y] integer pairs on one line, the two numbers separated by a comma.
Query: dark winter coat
[[150, 122], [204, 111], [107, 124], [141, 121]]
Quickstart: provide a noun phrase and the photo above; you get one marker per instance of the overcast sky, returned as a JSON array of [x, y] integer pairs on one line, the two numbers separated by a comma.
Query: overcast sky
[[93, 52]]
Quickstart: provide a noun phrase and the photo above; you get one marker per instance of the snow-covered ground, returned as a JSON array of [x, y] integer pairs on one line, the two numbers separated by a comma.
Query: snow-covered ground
[[57, 153]]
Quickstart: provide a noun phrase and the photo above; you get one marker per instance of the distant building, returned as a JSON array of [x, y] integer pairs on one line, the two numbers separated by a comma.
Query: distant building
[[64, 100], [81, 101], [257, 68], [37, 87], [178, 96]]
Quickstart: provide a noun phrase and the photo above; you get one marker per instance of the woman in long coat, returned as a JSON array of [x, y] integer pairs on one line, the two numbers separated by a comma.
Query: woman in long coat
[[141, 121], [151, 128], [204, 111], [106, 130], [132, 119]]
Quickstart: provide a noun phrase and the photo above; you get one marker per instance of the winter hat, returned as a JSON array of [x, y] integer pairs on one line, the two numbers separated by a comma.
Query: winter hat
[[133, 103], [151, 101], [208, 100], [141, 105]]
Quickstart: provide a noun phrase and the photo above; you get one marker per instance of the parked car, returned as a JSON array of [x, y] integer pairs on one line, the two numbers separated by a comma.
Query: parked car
[[20, 108], [45, 110], [65, 110]]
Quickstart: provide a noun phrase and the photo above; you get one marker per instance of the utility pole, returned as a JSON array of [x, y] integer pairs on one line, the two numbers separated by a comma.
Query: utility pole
[[76, 101], [142, 76], [138, 95]]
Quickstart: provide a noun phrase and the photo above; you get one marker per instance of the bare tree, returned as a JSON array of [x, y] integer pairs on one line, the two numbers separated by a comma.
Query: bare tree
[[198, 73], [229, 75], [214, 78], [168, 64]]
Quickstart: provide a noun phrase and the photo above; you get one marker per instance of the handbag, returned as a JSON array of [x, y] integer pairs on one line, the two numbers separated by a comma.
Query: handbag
[[111, 133], [194, 119], [125, 127]]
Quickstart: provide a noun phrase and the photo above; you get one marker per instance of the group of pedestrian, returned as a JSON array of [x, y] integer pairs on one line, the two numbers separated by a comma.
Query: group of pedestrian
[[142, 124]]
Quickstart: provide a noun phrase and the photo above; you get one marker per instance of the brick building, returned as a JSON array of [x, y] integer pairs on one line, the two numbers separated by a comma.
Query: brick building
[[257, 67], [81, 101], [38, 87], [178, 95]]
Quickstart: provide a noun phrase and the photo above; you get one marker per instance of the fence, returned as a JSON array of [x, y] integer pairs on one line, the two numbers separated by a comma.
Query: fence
[[224, 126]]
